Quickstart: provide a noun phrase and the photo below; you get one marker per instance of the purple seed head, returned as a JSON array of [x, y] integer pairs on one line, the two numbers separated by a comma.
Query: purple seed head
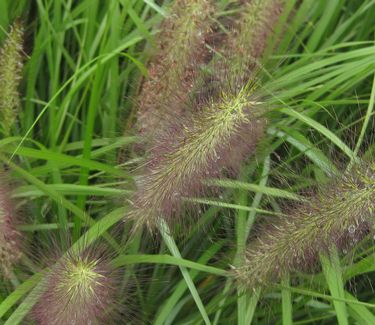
[[10, 76], [213, 141], [10, 238], [250, 38], [180, 52], [336, 215], [80, 289], [222, 129]]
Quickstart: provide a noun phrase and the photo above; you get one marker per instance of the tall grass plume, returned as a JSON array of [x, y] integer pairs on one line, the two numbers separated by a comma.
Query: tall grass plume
[[220, 131], [251, 37], [80, 289], [215, 139], [180, 52], [10, 237], [337, 215], [10, 76]]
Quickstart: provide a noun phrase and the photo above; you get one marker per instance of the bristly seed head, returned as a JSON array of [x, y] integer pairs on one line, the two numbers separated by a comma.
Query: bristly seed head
[[10, 238], [220, 131], [336, 215], [250, 39], [80, 290], [10, 76], [214, 140], [181, 50]]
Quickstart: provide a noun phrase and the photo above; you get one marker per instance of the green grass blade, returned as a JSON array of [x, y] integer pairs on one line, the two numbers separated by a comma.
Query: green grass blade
[[169, 241], [167, 259], [333, 275], [286, 302]]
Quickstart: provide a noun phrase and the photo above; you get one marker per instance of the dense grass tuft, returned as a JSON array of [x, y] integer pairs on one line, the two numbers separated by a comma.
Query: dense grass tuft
[[241, 131]]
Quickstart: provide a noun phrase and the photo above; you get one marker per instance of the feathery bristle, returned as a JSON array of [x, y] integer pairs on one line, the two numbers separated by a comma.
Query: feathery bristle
[[337, 215], [80, 289], [181, 51], [10, 248], [242, 48], [212, 140], [250, 39], [10, 76], [221, 130]]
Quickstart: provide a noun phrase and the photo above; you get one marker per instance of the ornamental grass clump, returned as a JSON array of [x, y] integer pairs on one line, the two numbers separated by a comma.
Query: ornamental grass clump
[[10, 238], [336, 216], [181, 50], [10, 76], [80, 289]]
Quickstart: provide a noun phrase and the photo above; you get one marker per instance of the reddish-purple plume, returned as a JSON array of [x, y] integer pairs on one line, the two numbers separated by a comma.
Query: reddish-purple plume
[[337, 215], [80, 289], [213, 142], [225, 121], [181, 50], [10, 238]]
